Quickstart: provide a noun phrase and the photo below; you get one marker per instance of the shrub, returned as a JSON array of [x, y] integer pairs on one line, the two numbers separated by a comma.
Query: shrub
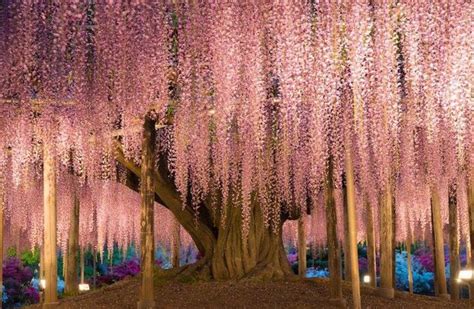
[[293, 258], [363, 265], [424, 256], [17, 282], [317, 273], [116, 273], [423, 280], [31, 258]]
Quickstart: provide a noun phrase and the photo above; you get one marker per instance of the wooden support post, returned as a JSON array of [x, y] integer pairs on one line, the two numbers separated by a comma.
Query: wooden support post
[[82, 261], [386, 250], [94, 267], [176, 241], [394, 241], [470, 203], [71, 277], [470, 247], [438, 244], [147, 191], [352, 227], [2, 206], [347, 260], [301, 247], [453, 243], [409, 266], [49, 242], [433, 252], [371, 249], [334, 256]]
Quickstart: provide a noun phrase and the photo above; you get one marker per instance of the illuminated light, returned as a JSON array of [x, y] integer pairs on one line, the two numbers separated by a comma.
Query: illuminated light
[[366, 279], [211, 112], [84, 287], [465, 274], [43, 284]]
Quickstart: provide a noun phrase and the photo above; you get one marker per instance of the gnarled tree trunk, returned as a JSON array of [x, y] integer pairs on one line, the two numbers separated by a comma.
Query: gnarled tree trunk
[[261, 254], [225, 254]]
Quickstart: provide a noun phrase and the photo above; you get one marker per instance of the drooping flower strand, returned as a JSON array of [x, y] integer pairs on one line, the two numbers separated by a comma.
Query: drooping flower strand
[[257, 97]]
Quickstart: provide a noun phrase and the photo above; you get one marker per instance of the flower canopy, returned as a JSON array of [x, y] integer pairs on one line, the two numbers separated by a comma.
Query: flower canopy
[[252, 98]]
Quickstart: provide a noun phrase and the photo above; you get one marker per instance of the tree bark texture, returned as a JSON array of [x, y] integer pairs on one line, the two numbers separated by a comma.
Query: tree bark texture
[[49, 243], [386, 250], [147, 190], [371, 247], [334, 258], [352, 227], [301, 247], [71, 277], [453, 244], [224, 252], [438, 244]]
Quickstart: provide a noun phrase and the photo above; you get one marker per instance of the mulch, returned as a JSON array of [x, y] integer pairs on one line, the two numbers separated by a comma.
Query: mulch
[[309, 293]]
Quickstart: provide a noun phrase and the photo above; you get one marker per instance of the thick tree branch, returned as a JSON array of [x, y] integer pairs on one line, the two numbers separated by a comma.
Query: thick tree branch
[[201, 230]]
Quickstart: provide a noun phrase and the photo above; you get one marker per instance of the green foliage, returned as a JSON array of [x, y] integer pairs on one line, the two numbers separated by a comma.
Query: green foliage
[[61, 266], [31, 258], [11, 251], [170, 109]]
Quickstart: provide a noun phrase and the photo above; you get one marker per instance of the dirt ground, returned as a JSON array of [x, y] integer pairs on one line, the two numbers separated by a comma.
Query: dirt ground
[[311, 293]]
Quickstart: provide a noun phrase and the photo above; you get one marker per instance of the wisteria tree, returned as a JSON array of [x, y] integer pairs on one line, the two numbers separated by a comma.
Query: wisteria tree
[[252, 112]]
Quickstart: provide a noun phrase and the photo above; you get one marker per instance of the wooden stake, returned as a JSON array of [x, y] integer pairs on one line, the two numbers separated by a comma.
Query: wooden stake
[[433, 252], [386, 250], [352, 227], [50, 254], [470, 203], [301, 247], [71, 277], [371, 249], [94, 267], [2, 205], [82, 264], [453, 243], [176, 243], [409, 267], [438, 244], [147, 191], [334, 256], [347, 259], [394, 240]]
